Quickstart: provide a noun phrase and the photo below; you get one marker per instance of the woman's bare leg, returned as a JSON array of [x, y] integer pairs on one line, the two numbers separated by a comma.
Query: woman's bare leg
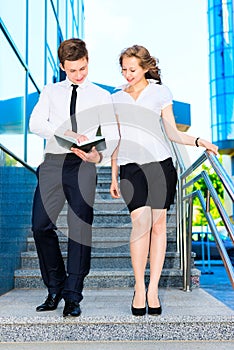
[[139, 248], [158, 245]]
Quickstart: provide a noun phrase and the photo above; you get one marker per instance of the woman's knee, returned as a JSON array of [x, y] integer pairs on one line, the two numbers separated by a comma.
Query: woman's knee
[[141, 220], [159, 222]]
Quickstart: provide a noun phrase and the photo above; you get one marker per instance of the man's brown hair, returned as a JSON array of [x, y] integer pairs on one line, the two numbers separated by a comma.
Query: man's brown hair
[[72, 50]]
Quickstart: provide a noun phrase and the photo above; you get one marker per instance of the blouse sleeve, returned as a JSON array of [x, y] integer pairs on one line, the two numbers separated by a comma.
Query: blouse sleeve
[[166, 97]]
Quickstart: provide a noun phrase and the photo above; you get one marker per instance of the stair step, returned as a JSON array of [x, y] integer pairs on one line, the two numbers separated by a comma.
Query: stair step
[[107, 231], [108, 217], [106, 317], [103, 194], [105, 244], [107, 205], [101, 170], [108, 278], [100, 260], [113, 230]]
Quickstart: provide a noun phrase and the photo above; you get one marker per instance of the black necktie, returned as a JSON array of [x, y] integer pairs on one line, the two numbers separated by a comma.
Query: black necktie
[[73, 108]]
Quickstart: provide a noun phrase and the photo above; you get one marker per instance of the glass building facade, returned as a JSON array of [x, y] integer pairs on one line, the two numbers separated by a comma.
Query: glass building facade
[[30, 33], [221, 61]]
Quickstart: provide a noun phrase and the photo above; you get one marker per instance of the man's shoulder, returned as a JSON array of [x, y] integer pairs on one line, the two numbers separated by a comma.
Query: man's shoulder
[[55, 86]]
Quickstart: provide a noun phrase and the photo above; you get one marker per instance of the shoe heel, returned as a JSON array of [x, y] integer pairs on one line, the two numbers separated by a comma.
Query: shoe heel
[[154, 311], [137, 311]]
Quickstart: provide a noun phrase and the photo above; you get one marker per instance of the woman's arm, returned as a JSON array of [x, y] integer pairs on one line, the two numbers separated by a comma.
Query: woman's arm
[[180, 137], [114, 188]]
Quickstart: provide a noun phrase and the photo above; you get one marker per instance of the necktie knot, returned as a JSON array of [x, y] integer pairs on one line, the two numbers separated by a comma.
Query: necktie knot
[[75, 86]]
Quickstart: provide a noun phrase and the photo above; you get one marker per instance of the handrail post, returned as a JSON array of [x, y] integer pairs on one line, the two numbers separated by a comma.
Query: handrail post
[[184, 239], [184, 245], [189, 245]]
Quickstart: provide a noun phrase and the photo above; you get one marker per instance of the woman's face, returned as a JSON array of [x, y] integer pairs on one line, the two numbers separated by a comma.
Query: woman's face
[[132, 71]]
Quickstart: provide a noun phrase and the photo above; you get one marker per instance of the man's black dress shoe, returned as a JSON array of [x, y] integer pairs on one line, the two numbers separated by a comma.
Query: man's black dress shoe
[[71, 308], [50, 303]]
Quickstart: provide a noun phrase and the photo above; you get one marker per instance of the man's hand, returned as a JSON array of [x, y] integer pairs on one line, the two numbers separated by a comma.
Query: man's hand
[[78, 137], [93, 156]]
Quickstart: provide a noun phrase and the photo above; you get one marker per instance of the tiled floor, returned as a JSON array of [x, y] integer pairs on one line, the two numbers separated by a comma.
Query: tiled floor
[[216, 282]]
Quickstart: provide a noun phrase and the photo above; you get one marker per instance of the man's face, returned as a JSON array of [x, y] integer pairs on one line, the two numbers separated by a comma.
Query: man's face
[[76, 71]]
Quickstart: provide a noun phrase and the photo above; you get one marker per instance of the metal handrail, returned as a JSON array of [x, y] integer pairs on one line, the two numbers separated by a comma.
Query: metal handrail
[[184, 230], [213, 228], [222, 174], [11, 154], [216, 199]]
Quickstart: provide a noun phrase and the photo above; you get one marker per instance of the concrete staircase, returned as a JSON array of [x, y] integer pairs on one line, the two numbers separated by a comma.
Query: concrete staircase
[[110, 263], [108, 291]]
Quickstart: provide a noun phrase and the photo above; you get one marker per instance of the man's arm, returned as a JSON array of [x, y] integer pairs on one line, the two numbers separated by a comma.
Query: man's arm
[[39, 121]]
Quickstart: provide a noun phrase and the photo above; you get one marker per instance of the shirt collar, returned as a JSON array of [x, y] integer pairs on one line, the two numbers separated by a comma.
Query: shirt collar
[[124, 86], [82, 86]]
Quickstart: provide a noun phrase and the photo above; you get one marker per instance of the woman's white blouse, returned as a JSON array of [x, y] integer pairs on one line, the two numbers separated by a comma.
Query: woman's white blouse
[[142, 137]]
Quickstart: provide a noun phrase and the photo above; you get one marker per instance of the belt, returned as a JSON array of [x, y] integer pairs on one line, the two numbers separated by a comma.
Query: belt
[[65, 156]]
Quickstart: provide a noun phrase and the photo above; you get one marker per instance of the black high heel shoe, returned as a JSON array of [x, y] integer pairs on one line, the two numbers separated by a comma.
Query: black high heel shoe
[[154, 311], [138, 311]]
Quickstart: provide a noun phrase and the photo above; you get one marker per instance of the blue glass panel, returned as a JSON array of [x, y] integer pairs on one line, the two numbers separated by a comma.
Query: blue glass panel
[[210, 3], [218, 19], [55, 5], [52, 30], [217, 2], [212, 66], [12, 98], [62, 16], [75, 9], [213, 89], [51, 74], [11, 95], [213, 111], [220, 86], [214, 133], [36, 22], [221, 108], [228, 62], [15, 21], [229, 85], [219, 64], [229, 107], [35, 144], [227, 16], [230, 131], [218, 41], [212, 44], [69, 22], [222, 131], [211, 25]]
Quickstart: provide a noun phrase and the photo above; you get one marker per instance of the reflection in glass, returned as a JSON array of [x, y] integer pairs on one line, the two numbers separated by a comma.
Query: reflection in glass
[[15, 20], [12, 99], [36, 41]]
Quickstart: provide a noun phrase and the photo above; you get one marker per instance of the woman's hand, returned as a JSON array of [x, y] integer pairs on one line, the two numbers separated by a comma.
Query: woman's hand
[[210, 147], [93, 156], [114, 189]]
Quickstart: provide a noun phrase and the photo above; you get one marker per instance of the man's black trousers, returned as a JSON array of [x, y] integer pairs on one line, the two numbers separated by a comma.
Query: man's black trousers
[[64, 178]]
